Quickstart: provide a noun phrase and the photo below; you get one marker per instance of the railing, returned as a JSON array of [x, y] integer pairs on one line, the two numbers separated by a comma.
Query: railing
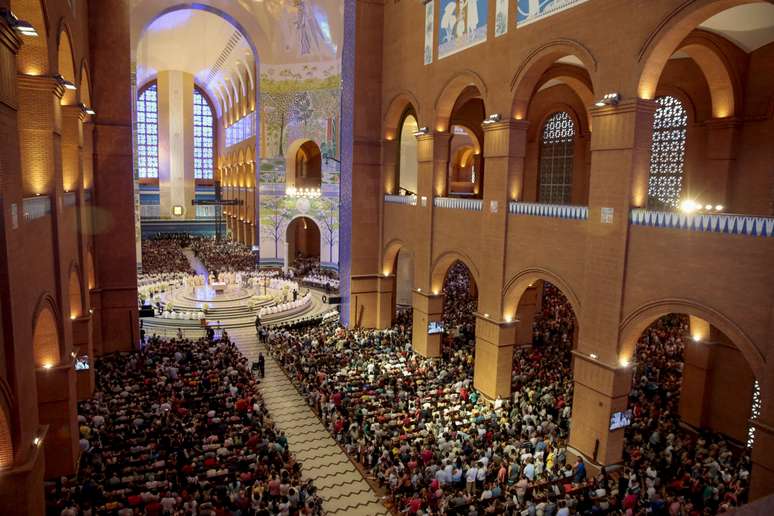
[[458, 204], [558, 211], [206, 211], [36, 207], [706, 223], [69, 199], [409, 200], [150, 211]]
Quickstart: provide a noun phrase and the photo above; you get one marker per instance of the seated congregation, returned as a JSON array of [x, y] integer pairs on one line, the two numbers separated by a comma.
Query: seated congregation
[[164, 254], [179, 427], [420, 430]]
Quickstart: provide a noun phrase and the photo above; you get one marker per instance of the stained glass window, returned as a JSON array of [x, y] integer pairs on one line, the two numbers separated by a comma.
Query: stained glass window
[[148, 133], [203, 136], [755, 413], [667, 157], [556, 159]]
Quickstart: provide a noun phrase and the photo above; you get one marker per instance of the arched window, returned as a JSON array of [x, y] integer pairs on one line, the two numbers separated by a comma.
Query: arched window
[[667, 156], [556, 159], [203, 136], [148, 133]]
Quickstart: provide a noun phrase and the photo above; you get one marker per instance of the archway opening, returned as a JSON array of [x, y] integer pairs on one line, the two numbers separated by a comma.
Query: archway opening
[[306, 173], [76, 297], [33, 54], [303, 241], [460, 302], [465, 176], [407, 149], [546, 334], [46, 350], [684, 413], [66, 67]]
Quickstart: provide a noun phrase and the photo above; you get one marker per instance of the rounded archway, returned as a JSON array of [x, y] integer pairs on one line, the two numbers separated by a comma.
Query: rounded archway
[[303, 241], [46, 347], [460, 302], [303, 166], [465, 163], [407, 154], [66, 67], [33, 54]]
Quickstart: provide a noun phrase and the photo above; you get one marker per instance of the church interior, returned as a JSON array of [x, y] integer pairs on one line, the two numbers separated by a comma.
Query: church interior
[[382, 257]]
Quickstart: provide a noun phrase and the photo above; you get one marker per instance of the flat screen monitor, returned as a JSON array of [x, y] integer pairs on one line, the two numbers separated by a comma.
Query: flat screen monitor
[[434, 327], [620, 419]]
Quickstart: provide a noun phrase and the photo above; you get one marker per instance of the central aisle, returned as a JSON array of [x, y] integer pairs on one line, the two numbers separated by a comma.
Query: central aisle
[[340, 485]]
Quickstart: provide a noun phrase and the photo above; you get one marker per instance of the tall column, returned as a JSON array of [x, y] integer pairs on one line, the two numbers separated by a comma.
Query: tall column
[[176, 176], [620, 149], [21, 480], [115, 257], [504, 147], [427, 308]]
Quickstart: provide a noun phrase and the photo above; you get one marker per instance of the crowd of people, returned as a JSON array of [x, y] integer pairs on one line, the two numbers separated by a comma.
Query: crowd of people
[[179, 428], [164, 254], [421, 430], [226, 255]]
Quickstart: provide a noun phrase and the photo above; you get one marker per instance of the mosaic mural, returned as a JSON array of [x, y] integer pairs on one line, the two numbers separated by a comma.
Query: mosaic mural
[[501, 18], [529, 11], [462, 25], [429, 20], [299, 102]]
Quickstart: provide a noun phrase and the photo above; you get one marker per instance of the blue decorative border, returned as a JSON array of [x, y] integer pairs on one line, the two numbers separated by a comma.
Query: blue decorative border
[[708, 223], [559, 211]]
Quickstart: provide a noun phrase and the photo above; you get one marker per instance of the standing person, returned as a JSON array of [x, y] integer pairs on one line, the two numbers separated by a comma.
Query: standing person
[[257, 323], [261, 364], [295, 294]]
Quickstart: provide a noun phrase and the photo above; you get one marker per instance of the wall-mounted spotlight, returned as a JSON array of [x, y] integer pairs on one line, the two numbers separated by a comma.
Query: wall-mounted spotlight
[[493, 118], [610, 99], [64, 82], [421, 131], [87, 110], [24, 28]]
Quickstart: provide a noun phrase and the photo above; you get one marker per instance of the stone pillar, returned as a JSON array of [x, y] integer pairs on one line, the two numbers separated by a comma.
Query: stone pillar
[[427, 307], [600, 390], [82, 345], [57, 398], [115, 257], [390, 166], [21, 480], [494, 357], [385, 301], [176, 177], [694, 388]]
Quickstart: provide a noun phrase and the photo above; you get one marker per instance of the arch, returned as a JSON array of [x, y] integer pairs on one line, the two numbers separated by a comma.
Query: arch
[[303, 164], [407, 170], [74, 291], [312, 247], [389, 254], [528, 75], [517, 285], [441, 267], [666, 37], [66, 63], [701, 47], [451, 92], [639, 319], [46, 335], [32, 58], [396, 113], [575, 78], [85, 82]]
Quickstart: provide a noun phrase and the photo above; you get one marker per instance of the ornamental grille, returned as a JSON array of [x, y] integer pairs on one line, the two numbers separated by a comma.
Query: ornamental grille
[[667, 157], [754, 413], [148, 133], [556, 159]]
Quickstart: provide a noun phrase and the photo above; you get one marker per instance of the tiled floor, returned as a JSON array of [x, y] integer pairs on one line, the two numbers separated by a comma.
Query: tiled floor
[[340, 484]]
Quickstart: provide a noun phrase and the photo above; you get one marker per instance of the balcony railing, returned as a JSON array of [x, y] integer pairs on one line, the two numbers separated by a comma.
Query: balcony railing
[[410, 200], [458, 203], [150, 211], [707, 223], [559, 211], [206, 211], [69, 199], [36, 207]]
